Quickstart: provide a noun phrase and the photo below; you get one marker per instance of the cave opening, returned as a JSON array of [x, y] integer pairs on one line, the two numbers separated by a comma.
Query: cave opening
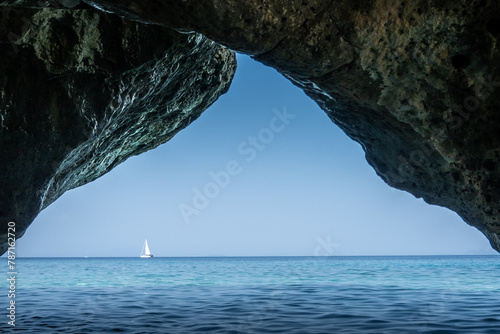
[[292, 180]]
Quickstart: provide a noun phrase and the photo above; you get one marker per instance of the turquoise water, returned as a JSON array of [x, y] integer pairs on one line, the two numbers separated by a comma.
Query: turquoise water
[[455, 294]]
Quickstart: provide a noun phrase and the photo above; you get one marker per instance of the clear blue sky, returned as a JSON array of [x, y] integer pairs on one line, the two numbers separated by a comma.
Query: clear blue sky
[[300, 186]]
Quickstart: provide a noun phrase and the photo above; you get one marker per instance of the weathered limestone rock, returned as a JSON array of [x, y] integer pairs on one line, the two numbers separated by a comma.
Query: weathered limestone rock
[[82, 90], [414, 82]]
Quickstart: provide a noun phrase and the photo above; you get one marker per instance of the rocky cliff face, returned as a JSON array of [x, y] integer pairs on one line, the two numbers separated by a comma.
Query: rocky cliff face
[[415, 83], [82, 90]]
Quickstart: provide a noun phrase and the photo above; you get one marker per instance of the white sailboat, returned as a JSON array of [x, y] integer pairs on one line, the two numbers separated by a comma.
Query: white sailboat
[[145, 250]]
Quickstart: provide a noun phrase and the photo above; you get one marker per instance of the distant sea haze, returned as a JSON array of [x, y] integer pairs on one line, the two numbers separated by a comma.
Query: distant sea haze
[[383, 295]]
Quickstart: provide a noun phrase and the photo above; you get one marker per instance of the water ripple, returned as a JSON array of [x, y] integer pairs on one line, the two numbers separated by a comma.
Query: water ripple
[[381, 296]]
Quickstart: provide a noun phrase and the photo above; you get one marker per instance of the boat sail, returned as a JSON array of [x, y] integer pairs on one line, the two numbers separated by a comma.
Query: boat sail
[[145, 250]]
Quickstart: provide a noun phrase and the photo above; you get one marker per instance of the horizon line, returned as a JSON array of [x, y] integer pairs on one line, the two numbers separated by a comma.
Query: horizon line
[[255, 256]]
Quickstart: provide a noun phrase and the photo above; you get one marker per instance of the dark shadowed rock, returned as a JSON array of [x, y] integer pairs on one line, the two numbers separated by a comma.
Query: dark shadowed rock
[[82, 90], [414, 82]]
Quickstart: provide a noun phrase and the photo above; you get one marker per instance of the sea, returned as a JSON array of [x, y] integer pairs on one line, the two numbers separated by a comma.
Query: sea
[[383, 295]]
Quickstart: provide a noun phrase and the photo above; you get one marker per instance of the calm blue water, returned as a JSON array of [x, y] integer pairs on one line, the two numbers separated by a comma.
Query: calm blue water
[[382, 295]]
